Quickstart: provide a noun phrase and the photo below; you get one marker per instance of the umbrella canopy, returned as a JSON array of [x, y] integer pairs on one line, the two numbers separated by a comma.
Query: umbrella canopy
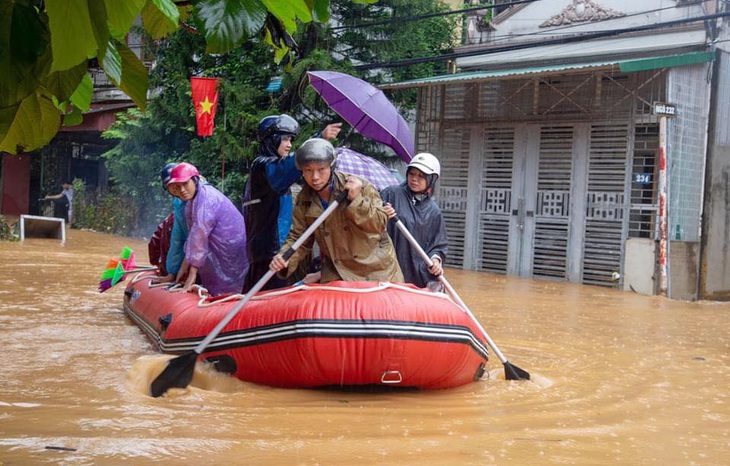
[[365, 108], [355, 163]]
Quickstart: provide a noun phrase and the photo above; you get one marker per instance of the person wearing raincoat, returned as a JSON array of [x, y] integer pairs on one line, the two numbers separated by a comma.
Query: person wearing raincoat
[[159, 246], [215, 250], [413, 204], [353, 240], [267, 202], [167, 245]]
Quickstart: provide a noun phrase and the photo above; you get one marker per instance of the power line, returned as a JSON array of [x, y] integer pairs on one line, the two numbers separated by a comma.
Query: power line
[[402, 19], [534, 44], [513, 36]]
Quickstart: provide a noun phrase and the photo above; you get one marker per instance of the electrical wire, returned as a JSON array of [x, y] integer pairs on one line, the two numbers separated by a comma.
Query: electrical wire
[[402, 19], [533, 44]]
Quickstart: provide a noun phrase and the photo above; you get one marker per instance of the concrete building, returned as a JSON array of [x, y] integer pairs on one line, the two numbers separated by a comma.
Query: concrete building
[[588, 141]]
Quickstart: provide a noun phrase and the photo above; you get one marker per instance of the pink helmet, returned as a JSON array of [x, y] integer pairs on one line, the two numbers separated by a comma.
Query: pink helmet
[[183, 172]]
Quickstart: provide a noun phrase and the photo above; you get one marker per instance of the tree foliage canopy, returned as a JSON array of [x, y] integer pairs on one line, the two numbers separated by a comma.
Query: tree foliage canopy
[[165, 130], [45, 47]]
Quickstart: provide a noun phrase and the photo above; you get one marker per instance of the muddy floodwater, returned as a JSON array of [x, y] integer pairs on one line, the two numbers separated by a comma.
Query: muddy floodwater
[[618, 378]]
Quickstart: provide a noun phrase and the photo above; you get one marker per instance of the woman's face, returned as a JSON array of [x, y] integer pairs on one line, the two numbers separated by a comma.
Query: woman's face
[[185, 191], [284, 146], [417, 180], [317, 174]]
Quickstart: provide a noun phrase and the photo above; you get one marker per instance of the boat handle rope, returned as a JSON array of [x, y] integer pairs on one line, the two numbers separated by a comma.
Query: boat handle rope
[[381, 286], [204, 294], [143, 276]]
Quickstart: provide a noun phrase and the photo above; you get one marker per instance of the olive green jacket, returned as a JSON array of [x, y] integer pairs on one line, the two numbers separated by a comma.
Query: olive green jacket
[[353, 240]]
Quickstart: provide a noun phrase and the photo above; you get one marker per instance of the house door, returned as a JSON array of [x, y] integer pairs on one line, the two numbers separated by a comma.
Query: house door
[[525, 199], [542, 200]]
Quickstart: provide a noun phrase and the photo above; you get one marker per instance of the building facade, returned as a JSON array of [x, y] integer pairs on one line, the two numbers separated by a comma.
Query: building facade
[[583, 141]]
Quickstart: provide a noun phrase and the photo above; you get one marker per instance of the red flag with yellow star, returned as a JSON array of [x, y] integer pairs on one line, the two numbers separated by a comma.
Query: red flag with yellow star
[[205, 100]]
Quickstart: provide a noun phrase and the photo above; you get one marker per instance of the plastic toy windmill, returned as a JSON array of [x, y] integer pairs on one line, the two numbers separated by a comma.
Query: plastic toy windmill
[[117, 269]]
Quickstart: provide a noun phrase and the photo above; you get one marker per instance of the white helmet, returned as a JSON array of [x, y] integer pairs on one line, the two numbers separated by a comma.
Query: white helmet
[[427, 163]]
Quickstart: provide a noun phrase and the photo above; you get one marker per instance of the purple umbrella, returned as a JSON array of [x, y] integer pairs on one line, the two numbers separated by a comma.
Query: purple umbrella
[[355, 163], [365, 108]]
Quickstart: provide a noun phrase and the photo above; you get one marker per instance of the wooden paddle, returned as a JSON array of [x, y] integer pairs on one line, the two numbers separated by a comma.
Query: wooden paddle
[[179, 371], [511, 372]]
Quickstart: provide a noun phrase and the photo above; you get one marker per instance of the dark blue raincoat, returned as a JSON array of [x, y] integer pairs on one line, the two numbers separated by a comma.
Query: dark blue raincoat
[[425, 222]]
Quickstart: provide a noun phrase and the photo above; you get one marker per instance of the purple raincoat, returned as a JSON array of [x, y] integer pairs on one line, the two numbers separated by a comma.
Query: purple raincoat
[[216, 243]]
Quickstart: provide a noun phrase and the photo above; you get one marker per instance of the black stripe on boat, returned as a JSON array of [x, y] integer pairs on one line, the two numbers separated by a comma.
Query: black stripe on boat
[[310, 328]]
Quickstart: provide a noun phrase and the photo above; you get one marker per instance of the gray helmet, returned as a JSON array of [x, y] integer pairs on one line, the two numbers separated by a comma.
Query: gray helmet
[[315, 150]]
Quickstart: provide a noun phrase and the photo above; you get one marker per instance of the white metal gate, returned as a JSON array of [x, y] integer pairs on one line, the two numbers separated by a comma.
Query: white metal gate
[[550, 204]]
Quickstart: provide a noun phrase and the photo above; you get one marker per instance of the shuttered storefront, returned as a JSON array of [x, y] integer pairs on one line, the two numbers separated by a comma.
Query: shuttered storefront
[[537, 172]]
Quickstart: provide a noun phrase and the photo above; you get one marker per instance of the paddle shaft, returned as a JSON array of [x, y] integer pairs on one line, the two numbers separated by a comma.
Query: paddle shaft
[[267, 276], [448, 286], [145, 268]]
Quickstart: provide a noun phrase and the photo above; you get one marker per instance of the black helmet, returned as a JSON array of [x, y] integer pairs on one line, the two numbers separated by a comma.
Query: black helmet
[[277, 124], [272, 129], [315, 150], [165, 174]]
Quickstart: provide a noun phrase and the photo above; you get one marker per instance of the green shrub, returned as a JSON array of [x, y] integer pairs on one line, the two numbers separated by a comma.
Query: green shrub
[[103, 211]]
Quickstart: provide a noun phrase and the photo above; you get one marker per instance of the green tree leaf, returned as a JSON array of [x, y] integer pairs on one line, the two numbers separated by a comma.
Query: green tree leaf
[[74, 118], [97, 10], [72, 33], [288, 12], [135, 80], [121, 15], [160, 17], [35, 123], [25, 53], [321, 10], [227, 23], [81, 97], [112, 63], [62, 84]]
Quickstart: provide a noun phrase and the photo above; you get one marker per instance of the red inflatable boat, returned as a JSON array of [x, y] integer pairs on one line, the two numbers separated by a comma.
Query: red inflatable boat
[[338, 334]]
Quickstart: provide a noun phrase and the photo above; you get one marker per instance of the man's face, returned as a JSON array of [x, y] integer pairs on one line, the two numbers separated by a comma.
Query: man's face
[[317, 174]]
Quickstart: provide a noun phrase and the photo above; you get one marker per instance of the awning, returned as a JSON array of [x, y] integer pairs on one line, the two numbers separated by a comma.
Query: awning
[[623, 66]]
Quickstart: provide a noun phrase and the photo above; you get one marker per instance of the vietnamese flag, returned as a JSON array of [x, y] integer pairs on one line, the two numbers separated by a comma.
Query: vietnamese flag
[[205, 101]]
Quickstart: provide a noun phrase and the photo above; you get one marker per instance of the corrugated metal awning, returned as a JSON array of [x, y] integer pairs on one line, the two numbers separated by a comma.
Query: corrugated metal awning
[[624, 66]]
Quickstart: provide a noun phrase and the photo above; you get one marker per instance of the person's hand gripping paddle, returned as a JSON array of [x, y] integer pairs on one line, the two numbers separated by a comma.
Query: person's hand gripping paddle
[[179, 370]]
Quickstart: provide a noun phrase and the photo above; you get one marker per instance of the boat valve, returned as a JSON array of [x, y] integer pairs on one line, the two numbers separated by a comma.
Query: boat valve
[[165, 321]]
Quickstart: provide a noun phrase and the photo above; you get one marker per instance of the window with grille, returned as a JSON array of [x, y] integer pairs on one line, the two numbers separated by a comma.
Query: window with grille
[[644, 205]]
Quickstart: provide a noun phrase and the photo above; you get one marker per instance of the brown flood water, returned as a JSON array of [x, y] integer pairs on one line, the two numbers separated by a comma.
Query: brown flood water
[[617, 379]]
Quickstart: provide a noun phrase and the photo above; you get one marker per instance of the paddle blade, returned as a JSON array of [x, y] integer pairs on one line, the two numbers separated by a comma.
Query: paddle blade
[[105, 285], [118, 274], [512, 372], [129, 262], [126, 253], [177, 374]]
